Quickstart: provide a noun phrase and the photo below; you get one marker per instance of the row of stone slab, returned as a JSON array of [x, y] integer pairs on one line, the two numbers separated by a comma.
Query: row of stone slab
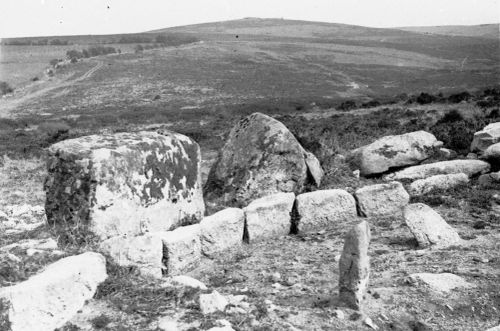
[[177, 251]]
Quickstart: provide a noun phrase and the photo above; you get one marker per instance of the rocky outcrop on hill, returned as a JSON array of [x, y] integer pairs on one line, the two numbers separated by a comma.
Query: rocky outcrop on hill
[[395, 151], [48, 300], [261, 157], [124, 183], [468, 167], [488, 136]]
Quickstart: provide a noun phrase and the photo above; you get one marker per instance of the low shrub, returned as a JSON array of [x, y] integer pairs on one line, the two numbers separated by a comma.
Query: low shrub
[[425, 98], [459, 97], [5, 88]]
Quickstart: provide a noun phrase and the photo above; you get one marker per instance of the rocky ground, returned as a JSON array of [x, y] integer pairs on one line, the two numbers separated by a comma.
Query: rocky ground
[[288, 282]]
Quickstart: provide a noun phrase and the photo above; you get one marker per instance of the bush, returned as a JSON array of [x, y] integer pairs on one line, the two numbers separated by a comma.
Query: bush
[[425, 98], [347, 105], [371, 104], [456, 133], [451, 116], [459, 97], [54, 62], [138, 48], [5, 88]]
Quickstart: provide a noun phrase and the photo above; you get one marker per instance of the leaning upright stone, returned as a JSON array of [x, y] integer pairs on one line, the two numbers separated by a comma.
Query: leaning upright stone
[[428, 227], [354, 266], [124, 183]]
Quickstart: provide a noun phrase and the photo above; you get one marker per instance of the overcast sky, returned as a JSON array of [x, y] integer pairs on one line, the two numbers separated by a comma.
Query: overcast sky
[[68, 17]]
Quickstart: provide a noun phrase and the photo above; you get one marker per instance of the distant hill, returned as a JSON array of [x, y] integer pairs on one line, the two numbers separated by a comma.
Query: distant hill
[[482, 31], [277, 27]]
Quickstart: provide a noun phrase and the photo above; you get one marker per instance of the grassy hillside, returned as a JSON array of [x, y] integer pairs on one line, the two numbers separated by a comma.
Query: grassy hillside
[[483, 31]]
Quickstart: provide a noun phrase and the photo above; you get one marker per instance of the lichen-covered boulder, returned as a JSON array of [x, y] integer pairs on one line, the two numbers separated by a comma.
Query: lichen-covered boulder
[[468, 167], [261, 157], [491, 180], [49, 299], [488, 136], [382, 199], [124, 183], [395, 151]]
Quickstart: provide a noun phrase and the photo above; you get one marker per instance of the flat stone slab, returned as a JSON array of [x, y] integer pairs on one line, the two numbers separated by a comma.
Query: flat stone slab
[[444, 282], [269, 217], [395, 151], [143, 252], [320, 208], [381, 199], [222, 231], [428, 227], [124, 183], [438, 182], [468, 167], [49, 299], [181, 249]]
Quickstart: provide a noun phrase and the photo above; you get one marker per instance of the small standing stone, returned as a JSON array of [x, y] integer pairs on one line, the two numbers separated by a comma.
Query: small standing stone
[[354, 266]]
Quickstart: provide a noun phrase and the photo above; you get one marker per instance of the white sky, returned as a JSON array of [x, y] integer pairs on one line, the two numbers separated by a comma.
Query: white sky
[[66, 17]]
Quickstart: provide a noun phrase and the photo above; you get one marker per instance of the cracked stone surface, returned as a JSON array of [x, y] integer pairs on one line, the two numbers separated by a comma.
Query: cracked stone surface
[[124, 183]]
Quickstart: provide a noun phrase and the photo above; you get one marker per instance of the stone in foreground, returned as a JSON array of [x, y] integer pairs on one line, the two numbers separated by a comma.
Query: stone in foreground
[[48, 300], [444, 282], [382, 199], [124, 183], [354, 266], [468, 167], [320, 208], [395, 151], [428, 227], [488, 136], [213, 302], [269, 217], [261, 157], [438, 182], [221, 231], [143, 252], [181, 249]]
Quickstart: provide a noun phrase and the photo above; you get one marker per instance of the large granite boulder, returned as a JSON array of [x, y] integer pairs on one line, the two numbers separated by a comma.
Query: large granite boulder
[[468, 167], [124, 183], [395, 151], [261, 157], [488, 136], [48, 300]]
